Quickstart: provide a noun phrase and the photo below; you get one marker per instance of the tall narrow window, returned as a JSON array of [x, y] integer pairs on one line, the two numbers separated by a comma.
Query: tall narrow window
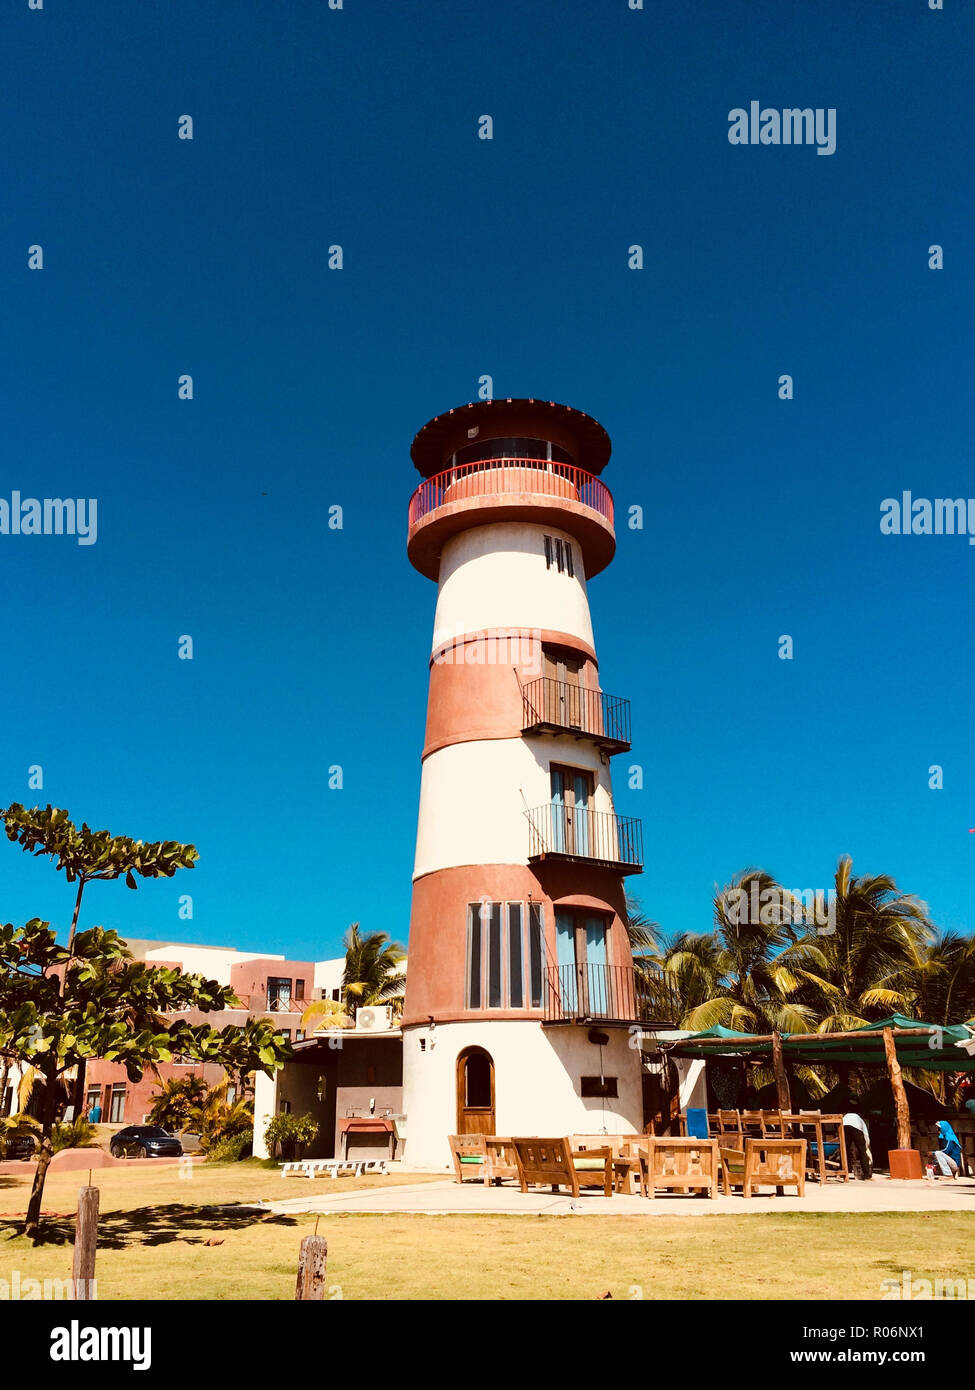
[[116, 1108], [535, 954], [568, 560], [474, 956], [548, 552], [494, 957], [516, 969]]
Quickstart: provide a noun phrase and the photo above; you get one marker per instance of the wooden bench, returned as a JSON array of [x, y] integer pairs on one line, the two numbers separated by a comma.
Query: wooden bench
[[311, 1167], [552, 1162], [777, 1163]]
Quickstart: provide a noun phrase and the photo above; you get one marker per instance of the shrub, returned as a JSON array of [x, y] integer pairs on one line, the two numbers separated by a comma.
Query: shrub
[[231, 1149], [293, 1132], [73, 1134]]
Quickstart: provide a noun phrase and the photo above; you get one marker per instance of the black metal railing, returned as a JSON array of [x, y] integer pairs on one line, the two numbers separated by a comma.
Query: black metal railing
[[590, 991], [553, 704], [617, 993], [568, 832]]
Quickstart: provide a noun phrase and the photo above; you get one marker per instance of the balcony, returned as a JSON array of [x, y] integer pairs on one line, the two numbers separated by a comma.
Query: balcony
[[587, 837], [558, 707], [545, 491], [608, 994]]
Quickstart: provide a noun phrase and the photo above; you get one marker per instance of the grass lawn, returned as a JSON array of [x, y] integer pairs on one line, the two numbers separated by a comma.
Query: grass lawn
[[154, 1228]]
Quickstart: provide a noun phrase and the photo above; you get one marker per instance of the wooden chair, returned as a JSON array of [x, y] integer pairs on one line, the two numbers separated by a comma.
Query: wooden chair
[[752, 1124], [777, 1163], [729, 1123], [501, 1160], [681, 1163], [552, 1162], [470, 1156], [773, 1124]]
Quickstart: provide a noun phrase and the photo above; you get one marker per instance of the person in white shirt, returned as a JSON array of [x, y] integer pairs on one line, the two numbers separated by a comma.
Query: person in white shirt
[[857, 1138]]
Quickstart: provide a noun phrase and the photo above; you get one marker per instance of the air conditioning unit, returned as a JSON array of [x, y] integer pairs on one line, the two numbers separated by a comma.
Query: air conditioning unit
[[374, 1018]]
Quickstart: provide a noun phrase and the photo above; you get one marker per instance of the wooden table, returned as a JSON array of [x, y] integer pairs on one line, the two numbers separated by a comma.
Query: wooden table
[[819, 1123]]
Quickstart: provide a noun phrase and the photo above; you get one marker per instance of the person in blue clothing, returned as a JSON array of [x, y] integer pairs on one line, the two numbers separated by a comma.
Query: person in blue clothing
[[948, 1155]]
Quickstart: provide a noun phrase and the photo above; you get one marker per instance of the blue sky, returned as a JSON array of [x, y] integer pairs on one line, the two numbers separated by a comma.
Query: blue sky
[[462, 257]]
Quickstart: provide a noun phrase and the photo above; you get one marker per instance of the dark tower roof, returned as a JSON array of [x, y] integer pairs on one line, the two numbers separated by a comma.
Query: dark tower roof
[[583, 437]]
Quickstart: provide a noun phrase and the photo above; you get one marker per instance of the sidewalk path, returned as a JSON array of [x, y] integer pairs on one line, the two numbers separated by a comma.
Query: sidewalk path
[[449, 1198]]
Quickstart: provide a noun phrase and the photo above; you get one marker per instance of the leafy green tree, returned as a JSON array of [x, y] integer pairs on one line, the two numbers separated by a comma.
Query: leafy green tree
[[293, 1132], [87, 855], [60, 1005]]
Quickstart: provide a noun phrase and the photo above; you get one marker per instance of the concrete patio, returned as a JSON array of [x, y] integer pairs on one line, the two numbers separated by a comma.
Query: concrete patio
[[449, 1198]]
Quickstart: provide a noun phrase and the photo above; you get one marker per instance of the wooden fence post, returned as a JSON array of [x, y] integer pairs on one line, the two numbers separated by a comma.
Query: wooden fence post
[[311, 1268], [85, 1245]]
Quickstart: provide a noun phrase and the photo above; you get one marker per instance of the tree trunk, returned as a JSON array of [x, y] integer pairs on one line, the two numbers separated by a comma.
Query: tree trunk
[[4, 1077], [781, 1076], [44, 1155], [78, 1096], [900, 1095]]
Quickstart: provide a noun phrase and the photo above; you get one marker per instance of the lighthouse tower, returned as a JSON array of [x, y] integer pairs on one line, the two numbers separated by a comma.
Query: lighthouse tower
[[520, 998]]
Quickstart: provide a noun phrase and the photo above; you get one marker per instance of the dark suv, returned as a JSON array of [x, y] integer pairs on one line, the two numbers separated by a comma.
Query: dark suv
[[145, 1141], [21, 1146]]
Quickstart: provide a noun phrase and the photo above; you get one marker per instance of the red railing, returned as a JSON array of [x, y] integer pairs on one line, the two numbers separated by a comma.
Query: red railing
[[493, 477]]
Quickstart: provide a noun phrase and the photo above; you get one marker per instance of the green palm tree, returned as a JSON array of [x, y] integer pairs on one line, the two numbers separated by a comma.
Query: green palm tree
[[373, 970], [945, 980], [324, 1013], [873, 962], [741, 975], [653, 992]]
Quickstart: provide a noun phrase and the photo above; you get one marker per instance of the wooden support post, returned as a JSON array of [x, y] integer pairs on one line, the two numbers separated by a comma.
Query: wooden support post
[[85, 1245], [781, 1076], [900, 1095], [311, 1268]]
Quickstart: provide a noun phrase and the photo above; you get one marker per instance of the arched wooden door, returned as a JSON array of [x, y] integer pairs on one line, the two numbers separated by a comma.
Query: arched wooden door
[[475, 1092]]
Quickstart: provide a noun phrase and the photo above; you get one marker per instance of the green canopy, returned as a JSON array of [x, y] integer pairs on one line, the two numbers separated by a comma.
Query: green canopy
[[923, 1045]]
